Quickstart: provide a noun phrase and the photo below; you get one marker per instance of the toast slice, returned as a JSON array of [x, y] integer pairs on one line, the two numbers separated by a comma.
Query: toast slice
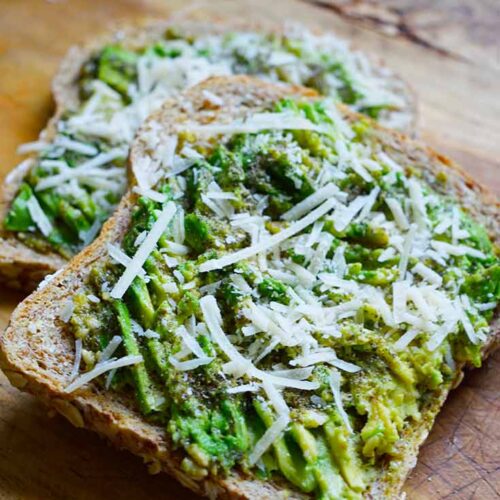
[[27, 251], [38, 348]]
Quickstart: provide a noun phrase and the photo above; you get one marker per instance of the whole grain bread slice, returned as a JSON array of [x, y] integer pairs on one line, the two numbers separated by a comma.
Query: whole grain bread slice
[[23, 267], [37, 350]]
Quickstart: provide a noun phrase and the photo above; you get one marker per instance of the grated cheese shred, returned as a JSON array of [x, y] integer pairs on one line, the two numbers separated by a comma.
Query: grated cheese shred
[[147, 246], [270, 242], [99, 369]]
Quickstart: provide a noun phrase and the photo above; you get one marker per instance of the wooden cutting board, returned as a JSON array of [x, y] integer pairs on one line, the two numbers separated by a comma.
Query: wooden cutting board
[[450, 53]]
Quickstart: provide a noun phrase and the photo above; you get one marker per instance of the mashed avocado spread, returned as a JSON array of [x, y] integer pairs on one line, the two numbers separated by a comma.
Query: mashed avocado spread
[[305, 299], [78, 177]]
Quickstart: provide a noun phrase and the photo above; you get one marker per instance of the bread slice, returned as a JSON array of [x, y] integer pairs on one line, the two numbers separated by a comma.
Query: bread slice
[[23, 267], [37, 350]]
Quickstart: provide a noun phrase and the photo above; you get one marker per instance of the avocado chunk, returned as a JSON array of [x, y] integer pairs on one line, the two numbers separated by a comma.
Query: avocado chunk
[[273, 290], [18, 217], [290, 461], [140, 301], [146, 394], [117, 68], [345, 456], [484, 285], [329, 480], [198, 235]]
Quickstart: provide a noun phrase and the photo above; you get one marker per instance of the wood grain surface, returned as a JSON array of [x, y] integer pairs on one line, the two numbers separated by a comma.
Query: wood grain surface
[[449, 51]]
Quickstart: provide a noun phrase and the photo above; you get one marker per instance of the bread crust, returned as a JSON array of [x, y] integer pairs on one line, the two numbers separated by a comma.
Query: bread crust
[[37, 356], [22, 267]]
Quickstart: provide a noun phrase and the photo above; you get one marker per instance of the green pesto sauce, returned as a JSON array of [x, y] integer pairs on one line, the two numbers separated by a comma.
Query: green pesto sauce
[[76, 214], [217, 431]]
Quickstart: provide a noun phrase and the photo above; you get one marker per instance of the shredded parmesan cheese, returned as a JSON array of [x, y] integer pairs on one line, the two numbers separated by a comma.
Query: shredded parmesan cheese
[[67, 310], [398, 213], [242, 365], [257, 122], [100, 369], [275, 398], [270, 242], [190, 342], [39, 217], [76, 146], [344, 215], [405, 254], [418, 202], [444, 248], [406, 339], [337, 397], [428, 274], [136, 263], [191, 364], [78, 358], [110, 349], [312, 201], [243, 388], [269, 437]]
